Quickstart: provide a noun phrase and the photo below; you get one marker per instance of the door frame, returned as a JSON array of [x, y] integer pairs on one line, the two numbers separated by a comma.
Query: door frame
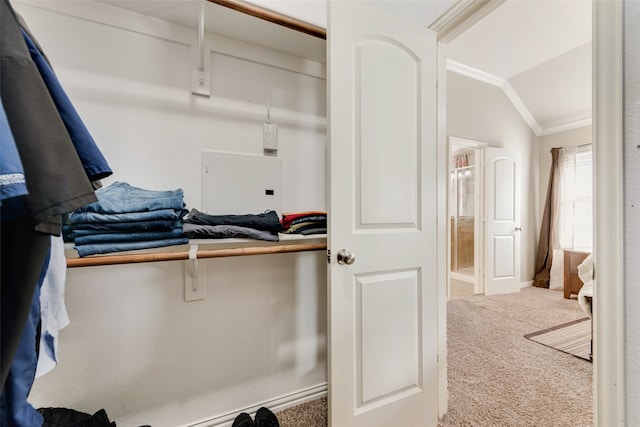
[[608, 143], [608, 139], [479, 207]]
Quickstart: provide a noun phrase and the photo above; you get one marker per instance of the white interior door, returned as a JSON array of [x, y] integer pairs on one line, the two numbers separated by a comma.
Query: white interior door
[[502, 242], [383, 310]]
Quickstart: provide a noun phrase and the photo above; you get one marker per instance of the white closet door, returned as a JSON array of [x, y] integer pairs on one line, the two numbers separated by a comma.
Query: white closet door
[[383, 309]]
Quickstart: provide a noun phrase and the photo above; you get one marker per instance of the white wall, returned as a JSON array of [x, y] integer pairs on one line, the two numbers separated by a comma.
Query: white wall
[[632, 208], [482, 112], [134, 347]]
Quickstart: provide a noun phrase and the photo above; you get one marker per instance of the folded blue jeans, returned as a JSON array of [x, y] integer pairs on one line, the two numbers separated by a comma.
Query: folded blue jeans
[[93, 217], [104, 248], [76, 230], [121, 197], [129, 237]]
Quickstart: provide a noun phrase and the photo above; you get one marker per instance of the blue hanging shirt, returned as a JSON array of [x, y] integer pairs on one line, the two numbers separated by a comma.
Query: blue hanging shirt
[[95, 165], [12, 180]]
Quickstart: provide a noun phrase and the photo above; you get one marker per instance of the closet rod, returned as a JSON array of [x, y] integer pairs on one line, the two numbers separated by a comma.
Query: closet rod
[[176, 256], [276, 18]]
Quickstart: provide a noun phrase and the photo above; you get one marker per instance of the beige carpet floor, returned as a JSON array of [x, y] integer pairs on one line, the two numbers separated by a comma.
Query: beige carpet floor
[[458, 288], [498, 378]]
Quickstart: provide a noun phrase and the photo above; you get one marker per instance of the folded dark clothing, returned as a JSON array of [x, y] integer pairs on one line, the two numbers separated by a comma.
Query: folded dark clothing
[[307, 231], [322, 219], [301, 225], [267, 221], [288, 218], [197, 231], [303, 228]]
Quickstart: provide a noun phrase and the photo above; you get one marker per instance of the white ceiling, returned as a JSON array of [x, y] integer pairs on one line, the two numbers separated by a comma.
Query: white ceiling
[[539, 52]]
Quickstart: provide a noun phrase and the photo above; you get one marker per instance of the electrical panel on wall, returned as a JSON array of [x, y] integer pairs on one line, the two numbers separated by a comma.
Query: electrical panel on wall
[[240, 183]]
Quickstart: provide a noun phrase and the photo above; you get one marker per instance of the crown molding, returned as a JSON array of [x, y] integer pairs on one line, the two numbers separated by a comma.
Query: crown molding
[[474, 73], [566, 126], [522, 108], [462, 15], [516, 101]]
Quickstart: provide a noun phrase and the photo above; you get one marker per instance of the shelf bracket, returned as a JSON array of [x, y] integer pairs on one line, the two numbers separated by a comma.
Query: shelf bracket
[[194, 283], [200, 84]]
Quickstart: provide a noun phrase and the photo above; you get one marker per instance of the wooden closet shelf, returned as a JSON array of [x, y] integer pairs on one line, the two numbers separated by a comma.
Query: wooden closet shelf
[[201, 254], [274, 17]]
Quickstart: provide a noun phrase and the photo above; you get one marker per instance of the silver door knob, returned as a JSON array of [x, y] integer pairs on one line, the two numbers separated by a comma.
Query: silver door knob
[[518, 228], [345, 257]]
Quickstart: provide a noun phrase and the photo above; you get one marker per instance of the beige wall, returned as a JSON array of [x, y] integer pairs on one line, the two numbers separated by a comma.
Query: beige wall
[[632, 214], [482, 112]]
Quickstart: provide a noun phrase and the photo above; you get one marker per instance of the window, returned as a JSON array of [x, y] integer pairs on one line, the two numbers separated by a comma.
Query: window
[[575, 199]]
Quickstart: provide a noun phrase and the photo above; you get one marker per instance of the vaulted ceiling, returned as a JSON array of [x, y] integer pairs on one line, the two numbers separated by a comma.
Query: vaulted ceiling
[[539, 52]]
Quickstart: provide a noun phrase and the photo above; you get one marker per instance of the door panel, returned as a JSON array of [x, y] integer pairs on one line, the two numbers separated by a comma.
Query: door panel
[[388, 314], [386, 113], [383, 310], [504, 170], [503, 221], [503, 262]]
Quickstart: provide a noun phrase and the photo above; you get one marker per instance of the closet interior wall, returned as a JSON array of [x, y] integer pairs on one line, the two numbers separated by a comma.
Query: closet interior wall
[[134, 346]]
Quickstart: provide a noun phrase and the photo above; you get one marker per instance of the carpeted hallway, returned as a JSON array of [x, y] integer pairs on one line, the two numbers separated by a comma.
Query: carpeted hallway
[[498, 378]]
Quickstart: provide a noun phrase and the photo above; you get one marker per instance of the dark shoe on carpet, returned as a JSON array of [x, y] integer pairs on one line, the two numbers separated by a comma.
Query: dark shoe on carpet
[[266, 418], [243, 420]]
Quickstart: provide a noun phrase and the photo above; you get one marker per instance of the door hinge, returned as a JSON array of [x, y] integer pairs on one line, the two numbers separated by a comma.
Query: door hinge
[[328, 256]]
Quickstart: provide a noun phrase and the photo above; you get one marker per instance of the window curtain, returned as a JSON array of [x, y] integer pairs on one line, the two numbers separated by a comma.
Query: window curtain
[[546, 242], [566, 221], [563, 214]]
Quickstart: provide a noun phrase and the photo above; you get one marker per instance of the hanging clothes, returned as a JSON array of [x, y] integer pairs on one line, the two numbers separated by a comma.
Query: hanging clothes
[[53, 312], [12, 181], [15, 410], [93, 162], [54, 174], [56, 182]]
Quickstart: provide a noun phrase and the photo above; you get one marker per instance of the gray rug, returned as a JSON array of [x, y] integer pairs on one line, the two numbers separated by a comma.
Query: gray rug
[[498, 378], [571, 337]]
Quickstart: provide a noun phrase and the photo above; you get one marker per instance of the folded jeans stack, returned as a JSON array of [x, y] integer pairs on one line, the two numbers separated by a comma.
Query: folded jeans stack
[[126, 218], [311, 222]]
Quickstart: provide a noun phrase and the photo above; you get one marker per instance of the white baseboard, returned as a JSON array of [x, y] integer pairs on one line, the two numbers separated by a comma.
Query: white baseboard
[[461, 277], [276, 404], [526, 284]]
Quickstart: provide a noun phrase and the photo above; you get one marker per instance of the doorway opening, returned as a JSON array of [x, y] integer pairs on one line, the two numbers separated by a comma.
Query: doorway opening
[[466, 216]]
